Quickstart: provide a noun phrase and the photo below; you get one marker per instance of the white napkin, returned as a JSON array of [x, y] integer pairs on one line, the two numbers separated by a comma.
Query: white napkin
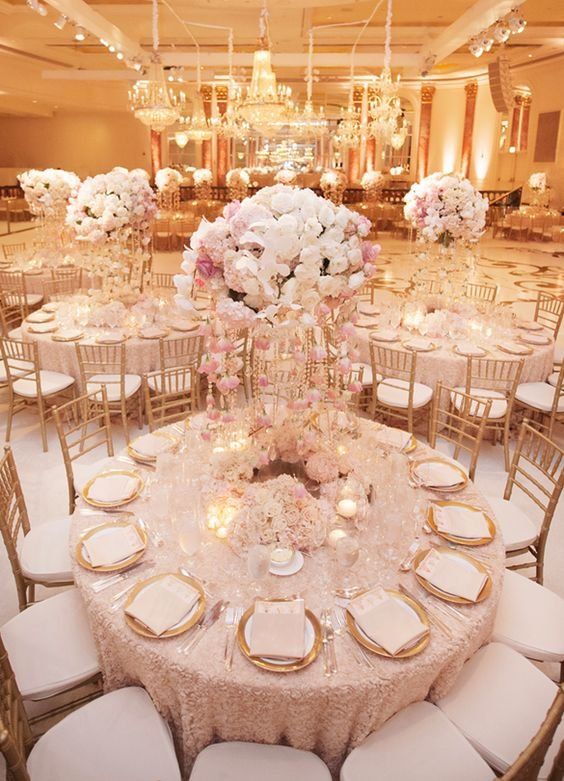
[[394, 437], [467, 348], [43, 328], [152, 332], [440, 474], [39, 317], [112, 488], [384, 335], [451, 575], [514, 349], [530, 325], [461, 521], [533, 338], [51, 306], [278, 630], [163, 603], [385, 621], [419, 344], [68, 334], [111, 546], [151, 445], [113, 338]]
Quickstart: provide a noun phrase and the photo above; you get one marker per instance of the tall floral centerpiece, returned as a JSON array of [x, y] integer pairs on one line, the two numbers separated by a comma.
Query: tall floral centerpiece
[[237, 181], [112, 214], [203, 179], [286, 176], [47, 193], [538, 185], [333, 184], [449, 212], [167, 182], [372, 183]]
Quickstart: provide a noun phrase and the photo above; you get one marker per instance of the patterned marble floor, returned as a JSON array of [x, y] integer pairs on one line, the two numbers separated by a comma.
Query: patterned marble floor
[[519, 269]]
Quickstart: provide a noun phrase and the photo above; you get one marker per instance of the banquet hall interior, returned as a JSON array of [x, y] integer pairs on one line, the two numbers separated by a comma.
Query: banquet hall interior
[[281, 390]]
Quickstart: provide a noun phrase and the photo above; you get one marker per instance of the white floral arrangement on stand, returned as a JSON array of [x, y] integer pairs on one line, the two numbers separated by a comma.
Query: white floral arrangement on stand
[[446, 208], [538, 182], [203, 179], [333, 184], [48, 191], [286, 176], [372, 183], [237, 181], [167, 182]]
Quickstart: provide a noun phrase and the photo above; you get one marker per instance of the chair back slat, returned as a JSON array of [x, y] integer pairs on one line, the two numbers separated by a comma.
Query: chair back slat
[[549, 312], [11, 250], [14, 520], [480, 292], [494, 374], [173, 399], [12, 312]]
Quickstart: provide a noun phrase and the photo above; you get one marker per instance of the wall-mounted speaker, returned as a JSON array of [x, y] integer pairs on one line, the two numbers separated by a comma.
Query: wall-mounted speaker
[[501, 88]]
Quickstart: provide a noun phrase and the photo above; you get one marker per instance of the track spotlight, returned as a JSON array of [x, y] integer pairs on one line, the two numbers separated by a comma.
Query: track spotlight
[[475, 48], [79, 33], [501, 32], [61, 22], [516, 22]]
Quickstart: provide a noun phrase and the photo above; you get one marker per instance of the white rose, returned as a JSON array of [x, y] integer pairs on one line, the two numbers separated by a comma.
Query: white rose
[[326, 215], [282, 202]]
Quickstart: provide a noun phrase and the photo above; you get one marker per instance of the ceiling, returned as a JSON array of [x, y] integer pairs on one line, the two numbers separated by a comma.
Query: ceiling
[[43, 69]]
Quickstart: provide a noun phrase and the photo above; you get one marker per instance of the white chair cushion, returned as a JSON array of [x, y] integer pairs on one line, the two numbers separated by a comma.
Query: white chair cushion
[[558, 353], [15, 333], [111, 382], [44, 553], [50, 382], [539, 395], [177, 383], [498, 702], [517, 529], [396, 394], [552, 379], [499, 403], [117, 737], [17, 368], [530, 618], [257, 762], [50, 646], [419, 743], [33, 298]]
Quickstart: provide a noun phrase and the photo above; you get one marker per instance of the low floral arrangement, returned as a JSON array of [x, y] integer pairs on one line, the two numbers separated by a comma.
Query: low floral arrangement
[[446, 208], [203, 179], [286, 176], [47, 192], [372, 183], [237, 181], [537, 182], [333, 184], [113, 206], [168, 180]]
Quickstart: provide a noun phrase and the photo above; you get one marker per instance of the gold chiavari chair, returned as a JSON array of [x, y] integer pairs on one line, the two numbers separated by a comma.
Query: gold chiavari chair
[[460, 419], [11, 250], [529, 763], [160, 281], [68, 272], [428, 286], [549, 312], [39, 555], [83, 425], [104, 365], [543, 401], [480, 293], [12, 313], [179, 353], [88, 743], [537, 469], [162, 235], [495, 379], [13, 283], [29, 385], [174, 399], [397, 395], [183, 230], [59, 289], [519, 226]]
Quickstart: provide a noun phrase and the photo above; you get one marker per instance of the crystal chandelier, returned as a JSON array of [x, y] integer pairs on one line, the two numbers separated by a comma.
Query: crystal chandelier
[[384, 108], [149, 98], [310, 123], [265, 105], [350, 129], [196, 127]]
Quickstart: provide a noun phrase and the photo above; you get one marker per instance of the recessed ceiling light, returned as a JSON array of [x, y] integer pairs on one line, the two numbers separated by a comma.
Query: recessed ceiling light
[[111, 48], [79, 33], [119, 55]]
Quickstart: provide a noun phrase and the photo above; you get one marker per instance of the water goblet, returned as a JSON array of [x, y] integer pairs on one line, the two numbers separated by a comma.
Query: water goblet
[[258, 565], [347, 551], [189, 533]]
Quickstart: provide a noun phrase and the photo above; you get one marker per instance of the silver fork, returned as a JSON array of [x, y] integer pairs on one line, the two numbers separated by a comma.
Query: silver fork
[[210, 617], [110, 580], [329, 640], [232, 617], [341, 630]]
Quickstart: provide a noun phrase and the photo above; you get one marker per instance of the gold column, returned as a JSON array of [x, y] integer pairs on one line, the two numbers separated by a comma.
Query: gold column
[[520, 122], [354, 152], [427, 94], [370, 141], [471, 90], [207, 95], [156, 152], [222, 142]]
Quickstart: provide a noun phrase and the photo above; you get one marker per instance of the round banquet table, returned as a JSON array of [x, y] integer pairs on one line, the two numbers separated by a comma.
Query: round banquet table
[[203, 702], [446, 366], [142, 355]]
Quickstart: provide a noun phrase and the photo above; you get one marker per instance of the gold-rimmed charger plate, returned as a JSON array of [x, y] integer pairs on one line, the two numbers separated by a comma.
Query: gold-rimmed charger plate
[[469, 541], [378, 338], [48, 317], [143, 459], [448, 488], [436, 592], [531, 340], [63, 338], [405, 344], [483, 354], [184, 328], [529, 325], [411, 650], [83, 561], [518, 354], [162, 332], [35, 328], [192, 618], [280, 667], [411, 446], [127, 472]]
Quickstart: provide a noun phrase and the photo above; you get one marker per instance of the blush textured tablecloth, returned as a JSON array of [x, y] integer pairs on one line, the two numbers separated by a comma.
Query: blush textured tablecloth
[[330, 716]]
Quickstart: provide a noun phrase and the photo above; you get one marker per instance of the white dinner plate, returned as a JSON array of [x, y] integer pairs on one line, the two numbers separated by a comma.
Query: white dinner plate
[[309, 641]]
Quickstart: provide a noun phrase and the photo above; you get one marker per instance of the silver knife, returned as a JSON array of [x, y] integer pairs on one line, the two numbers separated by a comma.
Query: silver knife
[[208, 620]]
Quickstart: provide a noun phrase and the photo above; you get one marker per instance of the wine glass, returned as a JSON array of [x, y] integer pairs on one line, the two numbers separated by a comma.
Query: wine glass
[[258, 564]]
